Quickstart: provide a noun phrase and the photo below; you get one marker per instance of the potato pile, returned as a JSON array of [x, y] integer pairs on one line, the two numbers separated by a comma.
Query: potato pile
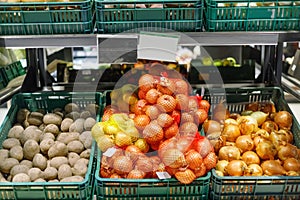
[[48, 147]]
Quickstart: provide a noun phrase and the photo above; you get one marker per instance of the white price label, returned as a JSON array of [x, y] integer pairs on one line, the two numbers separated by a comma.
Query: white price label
[[163, 175], [110, 152]]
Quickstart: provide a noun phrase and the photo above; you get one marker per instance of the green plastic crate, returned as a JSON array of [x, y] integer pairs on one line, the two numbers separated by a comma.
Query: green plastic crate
[[261, 187], [3, 82], [112, 16], [12, 71], [244, 15], [46, 18], [149, 189], [70, 190]]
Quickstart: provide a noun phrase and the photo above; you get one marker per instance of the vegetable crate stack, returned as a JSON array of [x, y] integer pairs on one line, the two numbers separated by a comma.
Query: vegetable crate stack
[[37, 18], [256, 138], [149, 141], [154, 15], [252, 15], [47, 150]]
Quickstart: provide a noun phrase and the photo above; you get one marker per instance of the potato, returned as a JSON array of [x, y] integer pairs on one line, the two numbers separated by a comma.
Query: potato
[[52, 128], [85, 114], [35, 173], [47, 136], [31, 132], [31, 147], [42, 127], [7, 164], [92, 108], [4, 153], [87, 139], [50, 173], [86, 154], [60, 113], [15, 132], [22, 115], [35, 118], [65, 137], [77, 125], [28, 163], [51, 118], [16, 152], [89, 123], [39, 161], [73, 115], [58, 161], [80, 168], [46, 144], [65, 124], [71, 107], [58, 149], [22, 177], [54, 181], [40, 180], [73, 179], [10, 142], [17, 169], [75, 146], [64, 171], [2, 179], [73, 158]]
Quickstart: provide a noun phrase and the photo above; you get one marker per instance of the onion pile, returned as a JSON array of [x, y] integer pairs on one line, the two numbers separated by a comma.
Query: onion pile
[[255, 142], [156, 118]]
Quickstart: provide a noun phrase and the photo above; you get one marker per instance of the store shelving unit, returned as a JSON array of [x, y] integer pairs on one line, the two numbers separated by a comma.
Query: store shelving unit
[[269, 43]]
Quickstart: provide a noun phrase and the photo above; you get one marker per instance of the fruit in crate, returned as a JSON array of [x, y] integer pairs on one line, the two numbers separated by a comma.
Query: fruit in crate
[[163, 118], [261, 142]]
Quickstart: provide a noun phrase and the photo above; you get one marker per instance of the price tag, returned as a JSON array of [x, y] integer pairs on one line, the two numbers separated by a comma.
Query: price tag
[[110, 152], [157, 46], [163, 175]]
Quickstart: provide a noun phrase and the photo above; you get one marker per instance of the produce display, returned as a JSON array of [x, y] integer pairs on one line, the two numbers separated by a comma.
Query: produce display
[[256, 142], [48, 147], [153, 127]]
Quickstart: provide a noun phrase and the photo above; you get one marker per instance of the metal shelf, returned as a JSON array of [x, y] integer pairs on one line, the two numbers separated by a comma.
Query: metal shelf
[[188, 38]]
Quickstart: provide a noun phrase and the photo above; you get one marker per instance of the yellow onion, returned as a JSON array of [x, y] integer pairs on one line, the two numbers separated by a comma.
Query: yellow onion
[[105, 142], [253, 170], [291, 164], [236, 168], [281, 137], [231, 132], [259, 116], [211, 126], [186, 177], [122, 140], [193, 159], [261, 132], [283, 119], [287, 151], [250, 157], [221, 166], [144, 164], [269, 126], [122, 164], [142, 145], [244, 143], [173, 158], [229, 153], [247, 124], [266, 150], [258, 139], [136, 174], [230, 121], [273, 168]]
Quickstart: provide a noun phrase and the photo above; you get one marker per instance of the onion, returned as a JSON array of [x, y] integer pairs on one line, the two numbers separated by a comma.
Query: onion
[[184, 143], [214, 138], [261, 132], [280, 138], [244, 143], [220, 112], [247, 124], [273, 168], [258, 139], [229, 153], [287, 151], [291, 164], [186, 177], [174, 158], [142, 145], [283, 119], [259, 116], [230, 121], [221, 166], [210, 126], [253, 170], [231, 132], [204, 147], [193, 159], [250, 157], [136, 174], [144, 164], [254, 106], [236, 168], [269, 126], [266, 150], [122, 164], [165, 145]]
